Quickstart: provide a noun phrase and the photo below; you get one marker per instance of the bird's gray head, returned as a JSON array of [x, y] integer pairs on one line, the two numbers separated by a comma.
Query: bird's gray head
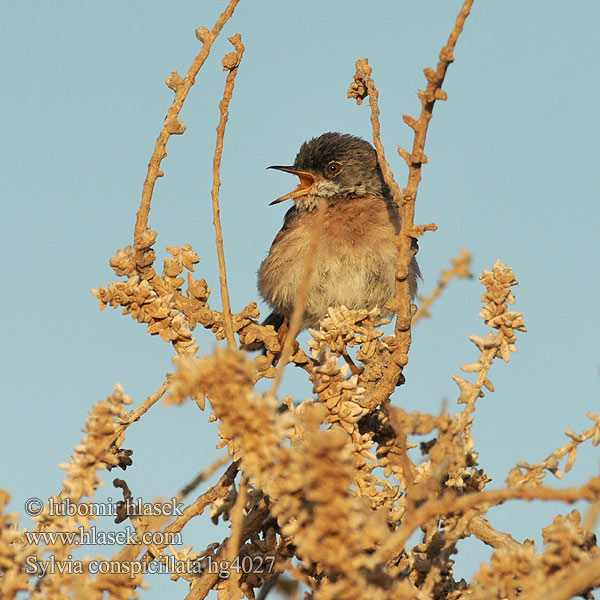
[[334, 165]]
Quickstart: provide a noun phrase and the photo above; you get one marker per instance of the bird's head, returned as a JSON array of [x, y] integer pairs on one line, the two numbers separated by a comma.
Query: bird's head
[[334, 165]]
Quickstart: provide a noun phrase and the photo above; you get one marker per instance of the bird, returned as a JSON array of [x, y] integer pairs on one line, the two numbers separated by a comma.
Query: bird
[[355, 260]]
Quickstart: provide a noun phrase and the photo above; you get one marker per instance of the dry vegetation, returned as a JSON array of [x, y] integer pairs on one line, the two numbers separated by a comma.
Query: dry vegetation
[[322, 495]]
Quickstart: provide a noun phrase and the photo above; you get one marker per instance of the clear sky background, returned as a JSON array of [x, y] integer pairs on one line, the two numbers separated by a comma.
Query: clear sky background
[[512, 173]]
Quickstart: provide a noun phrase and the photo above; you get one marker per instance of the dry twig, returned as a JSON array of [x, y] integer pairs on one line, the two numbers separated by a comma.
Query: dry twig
[[172, 125], [230, 63], [363, 86], [460, 268]]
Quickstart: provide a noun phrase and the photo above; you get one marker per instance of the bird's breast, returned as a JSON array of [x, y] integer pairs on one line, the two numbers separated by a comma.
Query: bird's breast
[[354, 261]]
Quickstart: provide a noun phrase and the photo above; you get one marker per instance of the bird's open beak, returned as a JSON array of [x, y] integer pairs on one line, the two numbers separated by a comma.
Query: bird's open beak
[[306, 182]]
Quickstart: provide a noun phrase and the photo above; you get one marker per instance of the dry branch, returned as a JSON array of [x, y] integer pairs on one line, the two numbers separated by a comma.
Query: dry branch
[[230, 63], [460, 268], [172, 125], [364, 85]]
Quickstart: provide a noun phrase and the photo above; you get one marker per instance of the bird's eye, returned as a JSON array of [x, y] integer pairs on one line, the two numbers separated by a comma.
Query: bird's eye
[[333, 168]]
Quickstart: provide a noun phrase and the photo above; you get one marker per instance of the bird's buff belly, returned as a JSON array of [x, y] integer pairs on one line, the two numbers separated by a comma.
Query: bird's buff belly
[[361, 275]]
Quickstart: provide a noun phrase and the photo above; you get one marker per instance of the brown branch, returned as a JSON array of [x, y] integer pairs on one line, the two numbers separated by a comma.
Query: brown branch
[[218, 491], [450, 503], [172, 125], [591, 517], [144, 407], [267, 587], [300, 301], [233, 544], [460, 268], [364, 86], [202, 476], [482, 530], [231, 63], [551, 462], [406, 200], [202, 586]]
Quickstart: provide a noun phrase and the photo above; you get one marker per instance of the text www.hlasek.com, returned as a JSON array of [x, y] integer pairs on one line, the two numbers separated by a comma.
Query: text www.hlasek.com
[[93, 536]]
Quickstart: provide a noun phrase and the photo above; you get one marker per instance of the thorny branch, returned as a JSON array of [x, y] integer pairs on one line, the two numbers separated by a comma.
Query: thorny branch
[[231, 63], [524, 472], [460, 268], [363, 85], [202, 476], [484, 500], [233, 544], [196, 508], [172, 124], [141, 410], [482, 529]]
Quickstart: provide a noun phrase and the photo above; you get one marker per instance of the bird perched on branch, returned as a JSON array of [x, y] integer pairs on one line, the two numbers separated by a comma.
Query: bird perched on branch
[[355, 257]]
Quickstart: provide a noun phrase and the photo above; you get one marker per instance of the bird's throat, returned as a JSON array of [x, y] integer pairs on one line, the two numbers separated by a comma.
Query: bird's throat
[[321, 190]]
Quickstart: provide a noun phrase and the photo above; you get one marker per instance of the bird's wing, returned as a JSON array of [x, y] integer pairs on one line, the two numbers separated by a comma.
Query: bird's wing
[[289, 222]]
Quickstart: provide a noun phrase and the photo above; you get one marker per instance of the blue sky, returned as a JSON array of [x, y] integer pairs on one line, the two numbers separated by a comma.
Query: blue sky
[[512, 174]]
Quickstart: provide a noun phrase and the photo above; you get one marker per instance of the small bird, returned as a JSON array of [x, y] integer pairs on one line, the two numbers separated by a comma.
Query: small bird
[[355, 258]]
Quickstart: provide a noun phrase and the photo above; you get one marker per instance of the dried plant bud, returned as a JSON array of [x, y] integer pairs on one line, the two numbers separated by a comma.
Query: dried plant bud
[[198, 289], [95, 451], [172, 267], [568, 545], [358, 89], [202, 34], [147, 239], [251, 311], [184, 255], [174, 81], [343, 327], [230, 61], [175, 126], [123, 456], [123, 263]]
